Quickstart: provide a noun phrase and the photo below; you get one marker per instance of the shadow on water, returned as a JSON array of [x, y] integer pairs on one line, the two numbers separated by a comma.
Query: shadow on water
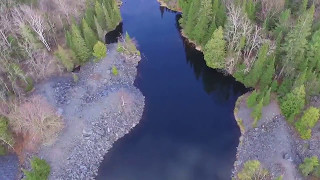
[[187, 131], [112, 36]]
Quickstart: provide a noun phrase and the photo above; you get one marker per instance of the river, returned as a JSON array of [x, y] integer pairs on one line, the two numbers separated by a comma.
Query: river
[[188, 131]]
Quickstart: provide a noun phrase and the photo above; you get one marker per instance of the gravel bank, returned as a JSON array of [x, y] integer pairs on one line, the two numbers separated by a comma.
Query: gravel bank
[[98, 110]]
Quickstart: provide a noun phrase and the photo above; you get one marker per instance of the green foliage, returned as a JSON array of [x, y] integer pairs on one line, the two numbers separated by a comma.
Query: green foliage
[[295, 45], [29, 36], [307, 122], [66, 57], [250, 9], [308, 165], [40, 170], [100, 15], [252, 170], [29, 84], [268, 73], [89, 35], [79, 46], [192, 17], [89, 17], [214, 52], [99, 50], [101, 33], [75, 77], [258, 68], [252, 99], [200, 30], [257, 112], [267, 97], [114, 70], [6, 139], [283, 24], [292, 104]]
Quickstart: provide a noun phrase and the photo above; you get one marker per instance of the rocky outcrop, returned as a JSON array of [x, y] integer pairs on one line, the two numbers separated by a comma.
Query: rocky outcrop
[[98, 110]]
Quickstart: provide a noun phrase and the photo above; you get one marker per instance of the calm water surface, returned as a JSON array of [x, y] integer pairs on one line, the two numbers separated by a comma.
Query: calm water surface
[[188, 131]]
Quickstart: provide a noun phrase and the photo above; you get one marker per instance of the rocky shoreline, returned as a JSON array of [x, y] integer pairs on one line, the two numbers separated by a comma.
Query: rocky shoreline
[[98, 110]]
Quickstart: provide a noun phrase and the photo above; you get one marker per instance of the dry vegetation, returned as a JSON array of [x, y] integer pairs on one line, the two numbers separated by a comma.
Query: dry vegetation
[[30, 32]]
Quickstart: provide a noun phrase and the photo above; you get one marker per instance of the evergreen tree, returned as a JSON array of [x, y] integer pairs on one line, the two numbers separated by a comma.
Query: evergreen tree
[[80, 47], [101, 33], [284, 23], [69, 40], [89, 17], [116, 13], [267, 75], [296, 44], [267, 97], [292, 104], [220, 14], [100, 15], [301, 79], [66, 58], [200, 31], [192, 17], [257, 112], [215, 52], [250, 9], [313, 54], [258, 67], [109, 21], [89, 35], [252, 99]]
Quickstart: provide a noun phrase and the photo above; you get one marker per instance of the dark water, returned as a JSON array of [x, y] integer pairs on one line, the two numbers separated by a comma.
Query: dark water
[[188, 131]]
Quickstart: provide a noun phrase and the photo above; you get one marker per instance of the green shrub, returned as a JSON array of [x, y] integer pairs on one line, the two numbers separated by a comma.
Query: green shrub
[[267, 97], [75, 78], [252, 170], [114, 70], [3, 150], [292, 104], [40, 170], [309, 165], [99, 51], [307, 122]]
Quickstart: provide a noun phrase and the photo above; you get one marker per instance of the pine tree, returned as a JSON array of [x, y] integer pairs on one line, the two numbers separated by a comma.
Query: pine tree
[[267, 97], [258, 67], [200, 31], [100, 15], [250, 9], [221, 14], [101, 33], [65, 58], [109, 22], [89, 17], [89, 35], [116, 13], [284, 23], [267, 76], [69, 40], [252, 99], [192, 17], [80, 47], [257, 112], [215, 52], [313, 53], [296, 44]]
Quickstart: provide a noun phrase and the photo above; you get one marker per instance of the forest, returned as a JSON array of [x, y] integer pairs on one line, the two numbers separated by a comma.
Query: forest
[[38, 39], [271, 46]]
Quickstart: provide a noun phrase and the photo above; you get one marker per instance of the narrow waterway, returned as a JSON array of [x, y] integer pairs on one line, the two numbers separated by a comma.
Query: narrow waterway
[[188, 131]]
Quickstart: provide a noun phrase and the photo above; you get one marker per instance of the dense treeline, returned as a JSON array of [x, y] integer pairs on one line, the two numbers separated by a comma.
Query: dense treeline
[[272, 46], [34, 36]]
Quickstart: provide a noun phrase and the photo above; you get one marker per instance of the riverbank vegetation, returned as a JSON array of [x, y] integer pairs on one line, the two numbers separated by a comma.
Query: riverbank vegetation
[[38, 39], [271, 46]]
